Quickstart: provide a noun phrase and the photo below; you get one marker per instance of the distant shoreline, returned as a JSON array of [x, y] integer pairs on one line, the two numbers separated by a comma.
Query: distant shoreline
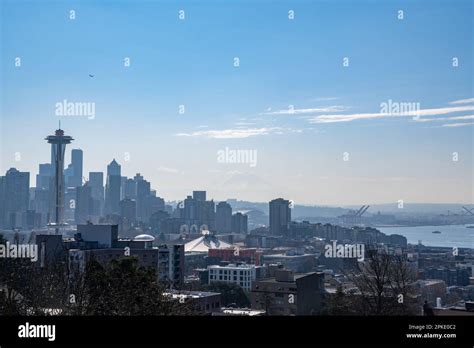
[[419, 225]]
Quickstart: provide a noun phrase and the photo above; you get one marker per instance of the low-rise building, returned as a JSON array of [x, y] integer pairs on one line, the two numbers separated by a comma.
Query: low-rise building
[[201, 301], [167, 261], [242, 275], [289, 294]]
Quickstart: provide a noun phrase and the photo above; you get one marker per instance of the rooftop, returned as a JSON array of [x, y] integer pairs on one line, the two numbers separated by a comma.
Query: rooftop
[[204, 243], [190, 294]]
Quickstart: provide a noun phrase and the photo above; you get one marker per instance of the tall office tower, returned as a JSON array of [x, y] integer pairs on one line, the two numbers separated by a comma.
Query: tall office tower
[[112, 190], [190, 210], [239, 223], [16, 197], [223, 218], [280, 216], [205, 210], [114, 168], [84, 204], [138, 177], [123, 180], [155, 204], [69, 205], [41, 205], [43, 178], [207, 214], [42, 195], [143, 194], [199, 196], [75, 180], [58, 143], [128, 211], [68, 173], [130, 189], [96, 183]]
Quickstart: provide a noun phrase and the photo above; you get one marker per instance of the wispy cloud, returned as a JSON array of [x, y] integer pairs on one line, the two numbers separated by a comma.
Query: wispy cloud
[[168, 170], [324, 99], [290, 111], [454, 118], [463, 101], [378, 115], [244, 123], [455, 125], [236, 133]]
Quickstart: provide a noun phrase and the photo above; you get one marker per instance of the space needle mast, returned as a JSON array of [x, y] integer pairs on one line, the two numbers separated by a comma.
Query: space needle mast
[[58, 143]]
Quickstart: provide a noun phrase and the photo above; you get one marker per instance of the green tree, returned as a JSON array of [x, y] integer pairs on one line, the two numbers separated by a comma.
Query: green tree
[[124, 288], [231, 293]]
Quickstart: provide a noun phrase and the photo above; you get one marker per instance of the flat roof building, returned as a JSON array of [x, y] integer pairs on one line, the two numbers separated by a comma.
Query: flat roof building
[[242, 275], [289, 294]]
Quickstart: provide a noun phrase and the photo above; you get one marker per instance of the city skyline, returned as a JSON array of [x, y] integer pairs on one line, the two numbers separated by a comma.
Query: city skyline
[[291, 101], [280, 160], [86, 178]]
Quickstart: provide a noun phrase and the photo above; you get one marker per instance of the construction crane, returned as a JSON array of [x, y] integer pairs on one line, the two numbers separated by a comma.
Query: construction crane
[[354, 217]]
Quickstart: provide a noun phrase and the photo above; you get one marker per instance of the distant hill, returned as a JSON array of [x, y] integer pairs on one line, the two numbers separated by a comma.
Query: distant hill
[[305, 211]]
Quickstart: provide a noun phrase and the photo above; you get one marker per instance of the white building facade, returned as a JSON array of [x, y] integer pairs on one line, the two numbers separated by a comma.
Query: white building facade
[[242, 275]]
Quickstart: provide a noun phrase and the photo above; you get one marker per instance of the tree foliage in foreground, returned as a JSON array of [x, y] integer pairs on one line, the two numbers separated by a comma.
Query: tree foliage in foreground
[[118, 288], [382, 287]]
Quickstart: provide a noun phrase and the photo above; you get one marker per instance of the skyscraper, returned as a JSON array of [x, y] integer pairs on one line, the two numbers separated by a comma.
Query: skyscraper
[[239, 223], [199, 196], [280, 216], [58, 143], [130, 189], [112, 191], [96, 183], [143, 194], [190, 210], [42, 195], [206, 214], [76, 161], [114, 168], [84, 204], [43, 179], [223, 218], [128, 211], [17, 194]]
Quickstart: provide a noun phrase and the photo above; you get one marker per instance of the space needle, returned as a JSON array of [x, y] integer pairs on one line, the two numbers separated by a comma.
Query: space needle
[[58, 143]]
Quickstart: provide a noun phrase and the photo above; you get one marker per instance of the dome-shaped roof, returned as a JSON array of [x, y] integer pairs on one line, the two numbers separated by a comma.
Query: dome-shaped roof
[[144, 238]]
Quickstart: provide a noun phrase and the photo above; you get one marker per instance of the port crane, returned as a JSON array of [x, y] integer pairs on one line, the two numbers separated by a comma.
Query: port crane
[[354, 217]]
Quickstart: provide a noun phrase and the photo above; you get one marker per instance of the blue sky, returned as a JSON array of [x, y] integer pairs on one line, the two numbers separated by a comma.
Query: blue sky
[[283, 62]]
